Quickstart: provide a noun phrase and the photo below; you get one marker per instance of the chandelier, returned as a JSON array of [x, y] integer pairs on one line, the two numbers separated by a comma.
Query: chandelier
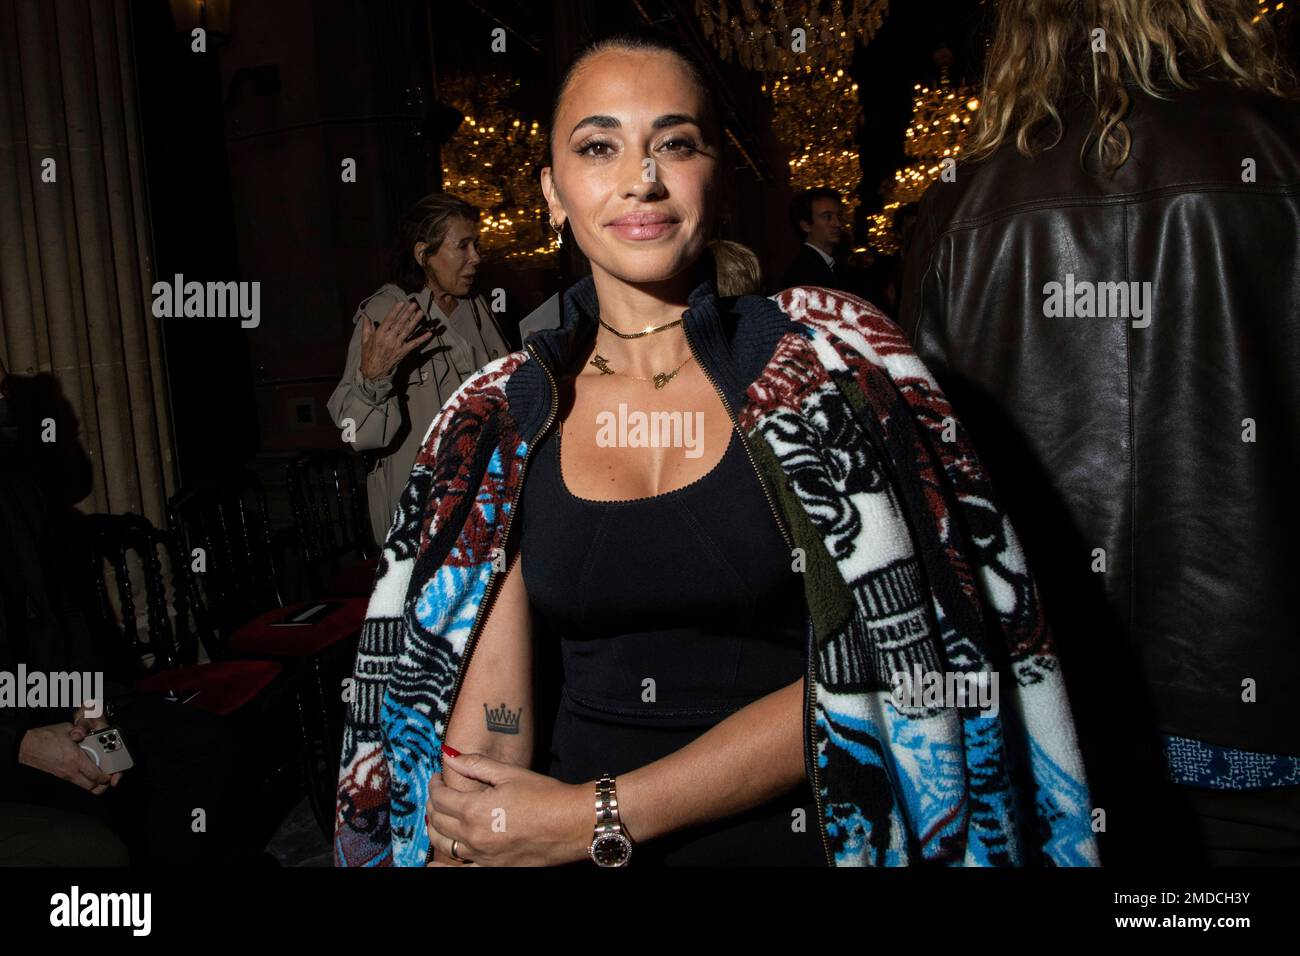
[[815, 115], [761, 35], [941, 119], [491, 161]]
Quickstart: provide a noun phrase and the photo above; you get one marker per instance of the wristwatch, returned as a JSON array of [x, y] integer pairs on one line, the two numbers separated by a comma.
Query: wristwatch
[[610, 846]]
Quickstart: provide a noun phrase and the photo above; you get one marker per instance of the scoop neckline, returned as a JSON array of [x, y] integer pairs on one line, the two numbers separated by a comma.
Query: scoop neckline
[[559, 472]]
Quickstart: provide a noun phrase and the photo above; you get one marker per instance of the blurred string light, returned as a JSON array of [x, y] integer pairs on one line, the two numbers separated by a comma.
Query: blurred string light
[[1266, 7], [815, 114], [492, 162], [760, 36], [941, 120]]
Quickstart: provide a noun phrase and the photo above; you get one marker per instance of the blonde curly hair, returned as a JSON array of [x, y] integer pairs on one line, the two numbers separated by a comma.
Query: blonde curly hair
[[1043, 49]]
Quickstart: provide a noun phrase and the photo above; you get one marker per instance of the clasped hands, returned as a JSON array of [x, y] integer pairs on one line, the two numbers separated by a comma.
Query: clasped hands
[[504, 815]]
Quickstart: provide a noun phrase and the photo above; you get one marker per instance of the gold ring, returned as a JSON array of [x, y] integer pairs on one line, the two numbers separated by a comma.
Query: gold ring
[[458, 859]]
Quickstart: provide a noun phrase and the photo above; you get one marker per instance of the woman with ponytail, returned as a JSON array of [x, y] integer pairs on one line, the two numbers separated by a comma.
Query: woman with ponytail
[[752, 533]]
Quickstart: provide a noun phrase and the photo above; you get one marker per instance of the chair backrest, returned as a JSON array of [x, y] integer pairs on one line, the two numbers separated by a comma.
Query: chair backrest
[[135, 551], [327, 510], [223, 530]]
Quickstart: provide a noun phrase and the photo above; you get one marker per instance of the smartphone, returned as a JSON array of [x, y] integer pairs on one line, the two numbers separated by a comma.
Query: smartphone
[[108, 750]]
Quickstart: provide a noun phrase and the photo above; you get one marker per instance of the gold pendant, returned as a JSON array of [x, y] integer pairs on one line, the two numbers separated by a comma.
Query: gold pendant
[[663, 378], [602, 363]]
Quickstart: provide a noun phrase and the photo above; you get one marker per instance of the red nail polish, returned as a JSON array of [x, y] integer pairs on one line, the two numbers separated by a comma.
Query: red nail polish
[[448, 749]]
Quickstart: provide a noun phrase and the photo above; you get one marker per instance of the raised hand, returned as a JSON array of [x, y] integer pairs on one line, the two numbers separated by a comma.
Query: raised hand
[[383, 347]]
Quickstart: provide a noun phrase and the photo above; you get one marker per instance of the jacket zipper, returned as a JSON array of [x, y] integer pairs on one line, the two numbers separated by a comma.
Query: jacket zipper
[[809, 707], [490, 593]]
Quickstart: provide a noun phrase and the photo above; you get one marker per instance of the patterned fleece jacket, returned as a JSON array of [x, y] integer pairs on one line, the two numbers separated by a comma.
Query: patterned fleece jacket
[[915, 583]]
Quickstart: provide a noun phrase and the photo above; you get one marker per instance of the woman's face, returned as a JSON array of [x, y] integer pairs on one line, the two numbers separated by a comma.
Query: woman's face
[[453, 267], [633, 174]]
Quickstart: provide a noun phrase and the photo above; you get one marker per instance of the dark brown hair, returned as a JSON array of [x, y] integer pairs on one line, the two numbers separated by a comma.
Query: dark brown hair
[[638, 40], [646, 40], [801, 205]]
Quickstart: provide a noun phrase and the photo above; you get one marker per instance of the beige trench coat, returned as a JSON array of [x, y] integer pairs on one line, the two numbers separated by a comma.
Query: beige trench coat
[[391, 414]]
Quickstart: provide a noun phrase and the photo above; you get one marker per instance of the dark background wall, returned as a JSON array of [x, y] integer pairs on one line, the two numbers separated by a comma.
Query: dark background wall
[[191, 204]]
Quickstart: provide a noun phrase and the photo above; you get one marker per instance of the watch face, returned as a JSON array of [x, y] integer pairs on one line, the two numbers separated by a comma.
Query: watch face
[[612, 849]]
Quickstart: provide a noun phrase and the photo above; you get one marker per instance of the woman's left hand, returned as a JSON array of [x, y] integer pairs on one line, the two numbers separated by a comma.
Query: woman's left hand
[[521, 818]]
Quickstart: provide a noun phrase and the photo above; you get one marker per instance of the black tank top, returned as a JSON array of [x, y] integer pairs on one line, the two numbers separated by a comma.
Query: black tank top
[[672, 612]]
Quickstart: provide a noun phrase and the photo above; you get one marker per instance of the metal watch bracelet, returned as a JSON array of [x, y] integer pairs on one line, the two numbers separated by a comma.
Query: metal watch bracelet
[[610, 845]]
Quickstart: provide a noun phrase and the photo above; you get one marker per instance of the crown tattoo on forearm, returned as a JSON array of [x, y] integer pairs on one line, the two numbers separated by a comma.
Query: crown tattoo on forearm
[[502, 720]]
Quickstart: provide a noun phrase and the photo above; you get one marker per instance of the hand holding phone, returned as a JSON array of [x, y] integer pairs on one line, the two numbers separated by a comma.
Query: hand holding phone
[[107, 750]]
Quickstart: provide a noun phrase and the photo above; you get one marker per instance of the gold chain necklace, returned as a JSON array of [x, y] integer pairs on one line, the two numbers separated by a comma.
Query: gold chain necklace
[[648, 330], [661, 378]]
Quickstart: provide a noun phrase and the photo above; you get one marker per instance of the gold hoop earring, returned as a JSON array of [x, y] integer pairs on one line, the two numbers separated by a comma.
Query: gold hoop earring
[[559, 234]]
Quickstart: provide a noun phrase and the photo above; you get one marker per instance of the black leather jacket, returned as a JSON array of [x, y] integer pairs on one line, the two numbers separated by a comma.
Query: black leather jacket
[[1113, 434]]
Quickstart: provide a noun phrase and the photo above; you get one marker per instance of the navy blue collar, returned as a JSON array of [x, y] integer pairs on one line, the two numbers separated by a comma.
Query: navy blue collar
[[577, 322], [735, 337]]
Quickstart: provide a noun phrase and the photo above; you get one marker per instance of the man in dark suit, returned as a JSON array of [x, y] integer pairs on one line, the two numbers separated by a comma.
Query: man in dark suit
[[815, 215]]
